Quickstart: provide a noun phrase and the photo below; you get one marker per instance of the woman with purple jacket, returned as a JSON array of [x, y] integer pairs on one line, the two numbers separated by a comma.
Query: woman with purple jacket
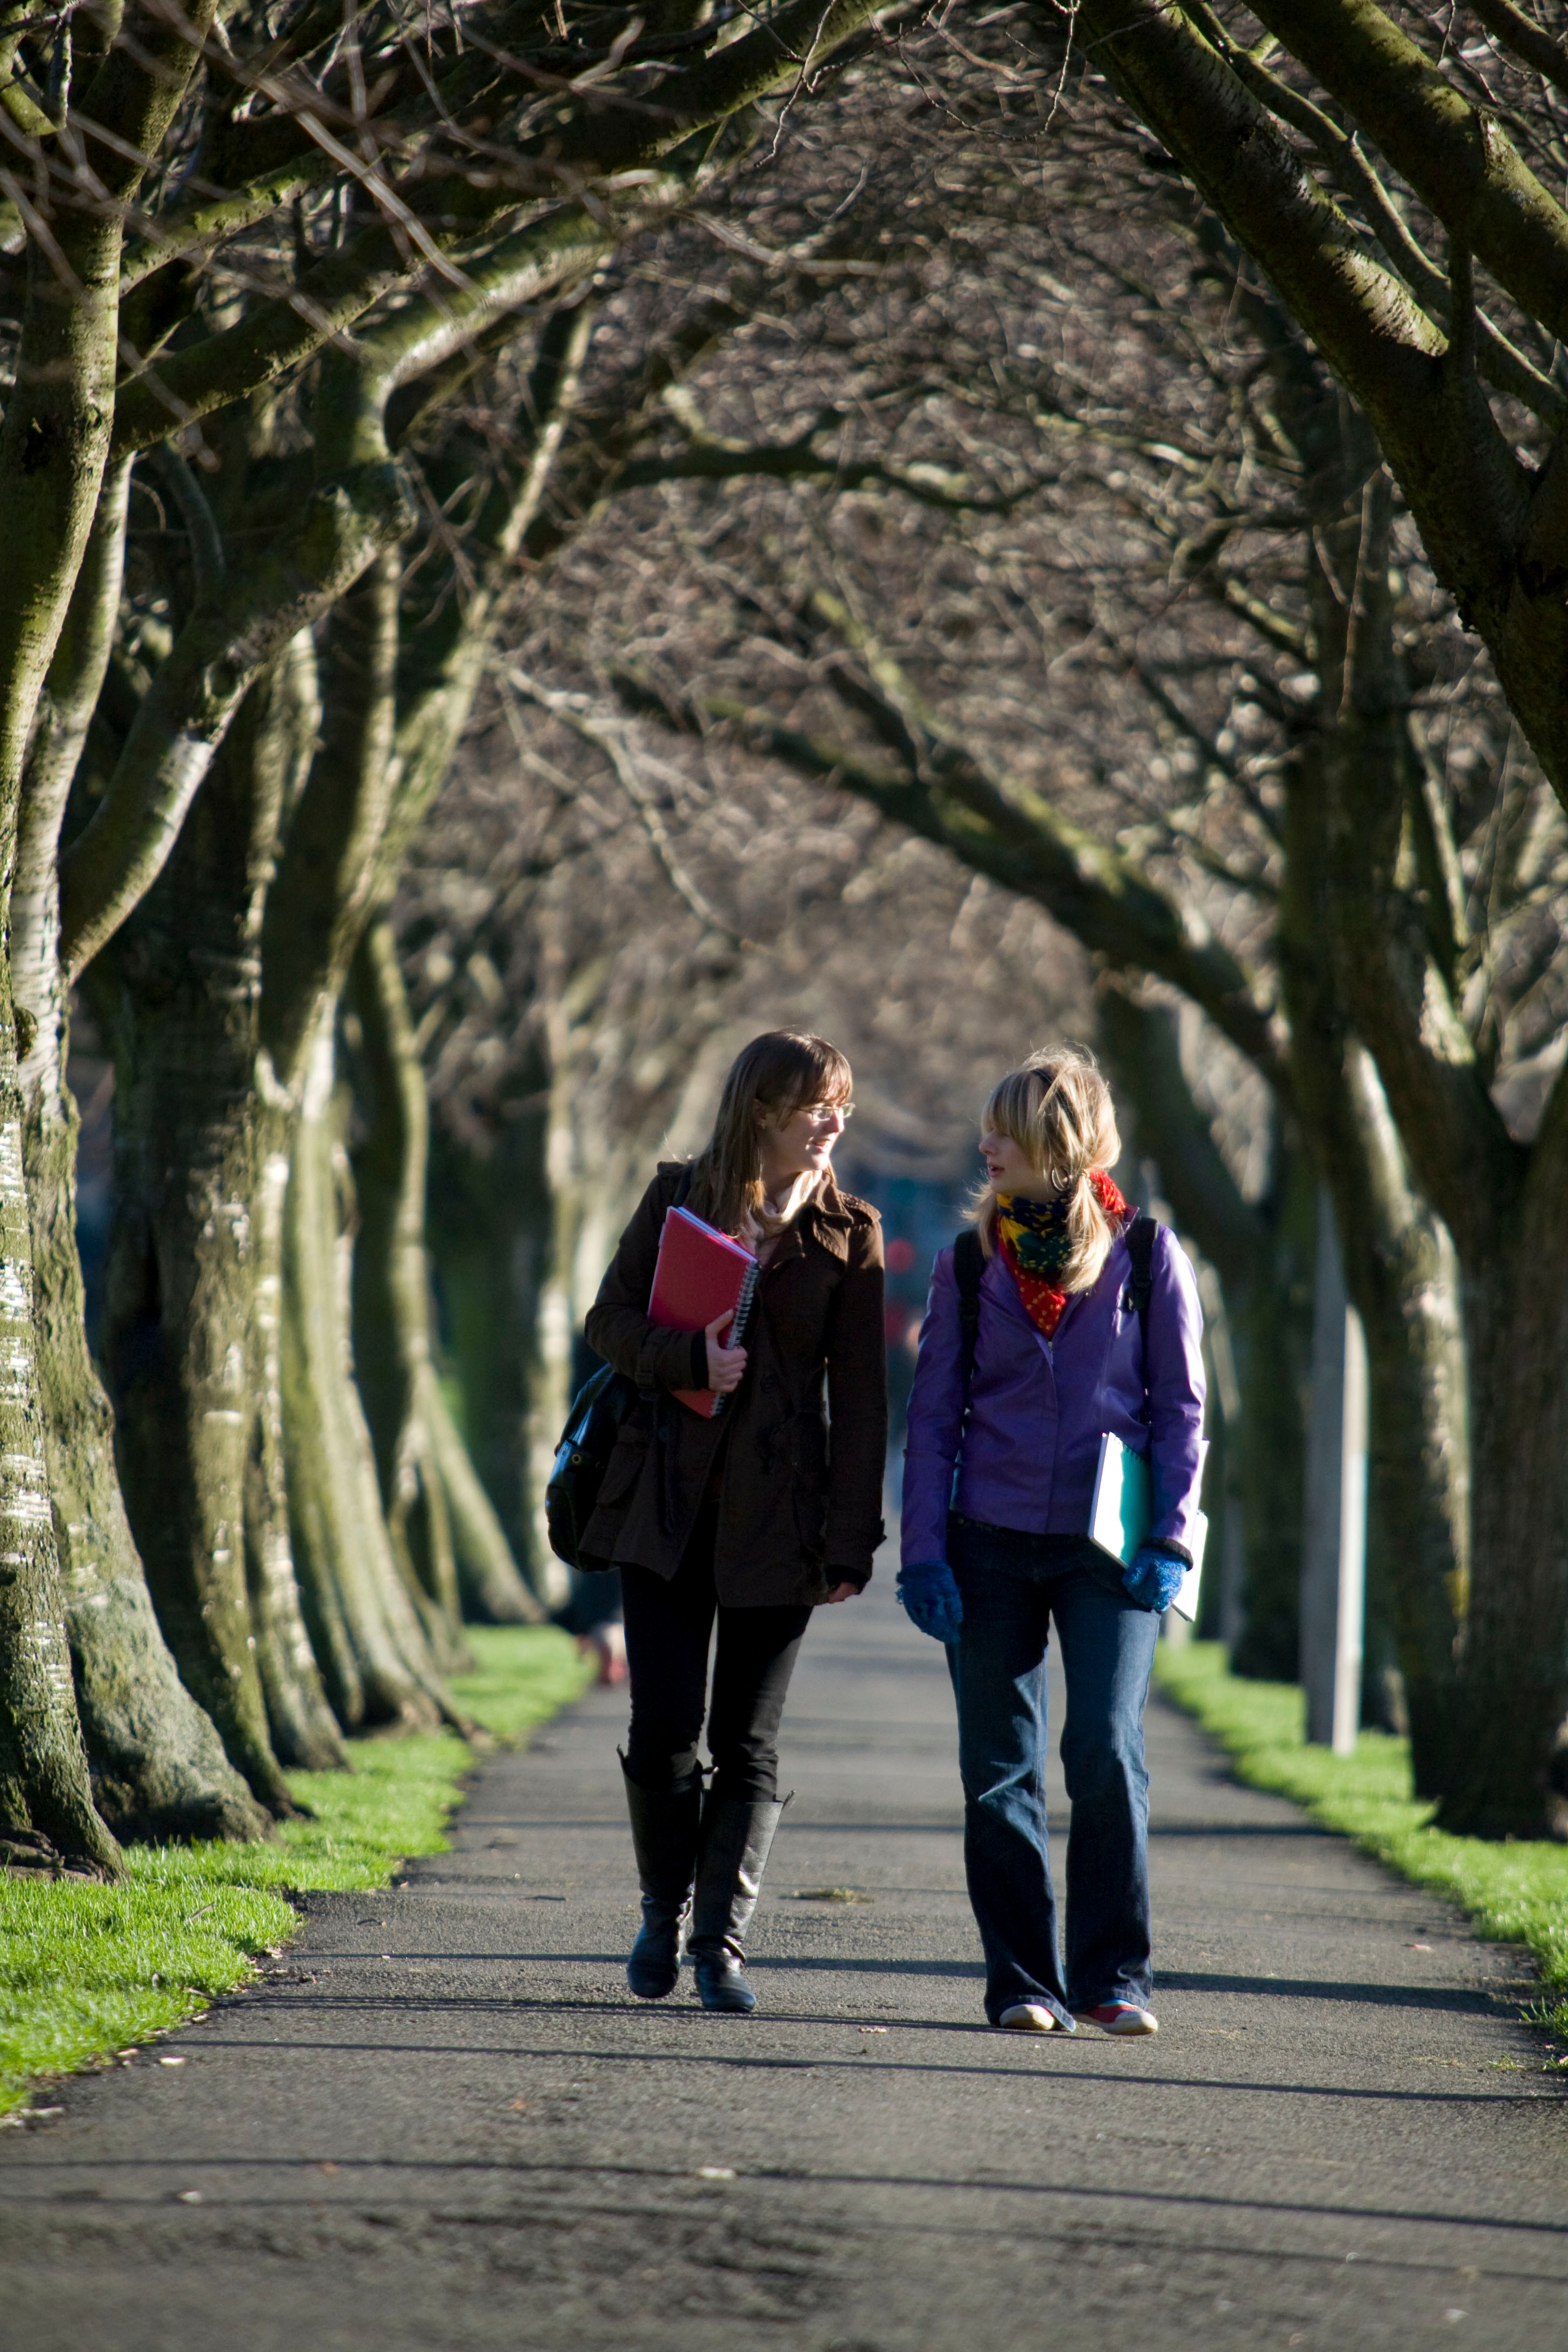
[[997, 1493]]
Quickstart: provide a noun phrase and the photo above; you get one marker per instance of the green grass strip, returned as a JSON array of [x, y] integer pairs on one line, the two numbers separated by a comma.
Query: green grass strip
[[86, 1969], [1515, 1893]]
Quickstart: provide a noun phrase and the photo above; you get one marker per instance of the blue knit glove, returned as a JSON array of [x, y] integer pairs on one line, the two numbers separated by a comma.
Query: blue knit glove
[[1153, 1577], [929, 1595]]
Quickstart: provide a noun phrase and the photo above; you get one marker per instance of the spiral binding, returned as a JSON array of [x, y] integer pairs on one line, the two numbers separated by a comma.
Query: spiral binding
[[738, 1327]]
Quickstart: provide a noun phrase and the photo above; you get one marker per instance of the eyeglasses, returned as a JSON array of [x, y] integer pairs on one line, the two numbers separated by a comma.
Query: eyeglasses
[[820, 1113]]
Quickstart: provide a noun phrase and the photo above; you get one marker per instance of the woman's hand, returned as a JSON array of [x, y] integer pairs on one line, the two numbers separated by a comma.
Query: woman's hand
[[930, 1594], [843, 1593], [725, 1365], [1153, 1577]]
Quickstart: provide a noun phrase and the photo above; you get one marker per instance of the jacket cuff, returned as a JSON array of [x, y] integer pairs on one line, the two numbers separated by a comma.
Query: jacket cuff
[[859, 1577], [850, 1542], [1173, 1550], [699, 1360]]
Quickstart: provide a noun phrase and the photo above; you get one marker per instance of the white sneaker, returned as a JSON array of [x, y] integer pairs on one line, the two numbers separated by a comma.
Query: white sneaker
[[1031, 2017], [1120, 2017]]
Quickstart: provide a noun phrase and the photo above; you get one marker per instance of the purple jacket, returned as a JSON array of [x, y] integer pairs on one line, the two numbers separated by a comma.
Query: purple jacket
[[1038, 1407]]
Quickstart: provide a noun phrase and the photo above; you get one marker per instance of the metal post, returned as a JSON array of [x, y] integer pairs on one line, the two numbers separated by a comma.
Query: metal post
[[1351, 1615], [1333, 1560]]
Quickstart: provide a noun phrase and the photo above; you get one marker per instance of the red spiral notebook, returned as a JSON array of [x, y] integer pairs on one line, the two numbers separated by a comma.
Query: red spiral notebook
[[701, 1273]]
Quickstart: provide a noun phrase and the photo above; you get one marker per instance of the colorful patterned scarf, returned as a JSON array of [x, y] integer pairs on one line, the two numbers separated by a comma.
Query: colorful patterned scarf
[[1035, 1244]]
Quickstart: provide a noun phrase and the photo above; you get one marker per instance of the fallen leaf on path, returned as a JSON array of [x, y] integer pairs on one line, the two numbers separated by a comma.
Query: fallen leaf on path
[[829, 1894], [715, 2172]]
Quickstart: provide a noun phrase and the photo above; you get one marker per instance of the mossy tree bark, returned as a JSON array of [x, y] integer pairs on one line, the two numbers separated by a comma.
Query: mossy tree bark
[[46, 1811], [183, 1265], [158, 1766], [53, 448]]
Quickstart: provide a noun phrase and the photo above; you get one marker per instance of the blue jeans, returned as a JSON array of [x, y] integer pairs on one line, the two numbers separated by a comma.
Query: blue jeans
[[1013, 1585]]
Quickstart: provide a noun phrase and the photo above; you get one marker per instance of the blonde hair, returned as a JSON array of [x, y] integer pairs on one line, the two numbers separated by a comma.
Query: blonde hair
[[1057, 1109], [778, 1073]]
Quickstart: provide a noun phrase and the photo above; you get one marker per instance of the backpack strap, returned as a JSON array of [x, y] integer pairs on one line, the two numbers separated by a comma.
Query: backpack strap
[[1139, 1238], [968, 1266]]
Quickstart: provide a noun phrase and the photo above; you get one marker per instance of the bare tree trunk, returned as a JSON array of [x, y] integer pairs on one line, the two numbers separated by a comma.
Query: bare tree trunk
[[341, 1542], [391, 1277], [181, 1296], [429, 1488], [303, 1730], [46, 1798], [1398, 1263], [1400, 1273], [185, 1263], [158, 1766], [1506, 1773], [1511, 1775], [61, 406]]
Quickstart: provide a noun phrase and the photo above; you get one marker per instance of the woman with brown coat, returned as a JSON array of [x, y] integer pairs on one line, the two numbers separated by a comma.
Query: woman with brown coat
[[750, 1518]]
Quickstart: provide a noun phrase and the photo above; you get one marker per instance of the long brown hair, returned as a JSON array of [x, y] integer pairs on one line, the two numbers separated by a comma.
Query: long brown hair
[[778, 1073], [1056, 1108]]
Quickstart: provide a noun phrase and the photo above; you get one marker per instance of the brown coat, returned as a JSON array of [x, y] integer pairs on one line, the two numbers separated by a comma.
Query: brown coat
[[801, 1493]]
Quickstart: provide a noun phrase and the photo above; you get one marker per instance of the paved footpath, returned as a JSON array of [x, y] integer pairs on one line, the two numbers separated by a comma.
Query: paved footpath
[[444, 2123]]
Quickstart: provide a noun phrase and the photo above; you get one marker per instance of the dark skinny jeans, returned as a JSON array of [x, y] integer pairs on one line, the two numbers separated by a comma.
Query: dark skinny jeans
[[670, 1624]]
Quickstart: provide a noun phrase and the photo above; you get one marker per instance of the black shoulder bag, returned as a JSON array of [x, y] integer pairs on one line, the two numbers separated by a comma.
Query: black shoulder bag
[[583, 1455], [582, 1458]]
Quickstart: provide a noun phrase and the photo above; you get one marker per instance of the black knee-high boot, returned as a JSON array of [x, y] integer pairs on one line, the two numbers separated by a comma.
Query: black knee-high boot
[[733, 1853], [666, 1824]]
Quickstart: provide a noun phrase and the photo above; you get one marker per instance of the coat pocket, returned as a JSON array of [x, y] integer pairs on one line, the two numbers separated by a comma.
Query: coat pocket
[[808, 1482], [624, 1467]]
